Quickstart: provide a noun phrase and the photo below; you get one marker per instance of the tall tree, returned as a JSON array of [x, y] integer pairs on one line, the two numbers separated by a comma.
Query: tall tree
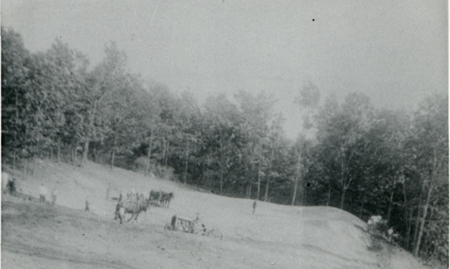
[[340, 131], [60, 75], [223, 121], [108, 81], [15, 81], [431, 140], [258, 113]]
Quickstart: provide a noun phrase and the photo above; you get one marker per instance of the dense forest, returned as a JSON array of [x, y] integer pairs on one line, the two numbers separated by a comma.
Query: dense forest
[[365, 160]]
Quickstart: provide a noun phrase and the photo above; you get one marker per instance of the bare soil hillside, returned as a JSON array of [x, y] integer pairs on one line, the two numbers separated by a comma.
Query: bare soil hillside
[[36, 235]]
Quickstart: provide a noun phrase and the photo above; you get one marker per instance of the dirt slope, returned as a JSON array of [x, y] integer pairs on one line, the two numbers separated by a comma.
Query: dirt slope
[[38, 236]]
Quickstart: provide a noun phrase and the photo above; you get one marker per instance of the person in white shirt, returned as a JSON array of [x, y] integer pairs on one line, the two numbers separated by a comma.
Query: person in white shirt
[[390, 232], [54, 195], [5, 179], [42, 193]]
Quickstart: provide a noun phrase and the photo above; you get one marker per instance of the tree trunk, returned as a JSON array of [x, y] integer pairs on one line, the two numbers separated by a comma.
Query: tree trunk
[[295, 191], [73, 153], [361, 210], [150, 146], [14, 159], [59, 150], [408, 233], [266, 194], [163, 149], [329, 195], [416, 226], [27, 166], [33, 159], [91, 130], [186, 162], [425, 211], [167, 151], [302, 193], [299, 163], [391, 198], [259, 183], [221, 180], [268, 178], [362, 206], [344, 190], [15, 132], [203, 174], [405, 207], [222, 163], [85, 152], [113, 155]]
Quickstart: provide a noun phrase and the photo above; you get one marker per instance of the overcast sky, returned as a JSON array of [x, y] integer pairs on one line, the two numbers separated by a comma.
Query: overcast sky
[[393, 51]]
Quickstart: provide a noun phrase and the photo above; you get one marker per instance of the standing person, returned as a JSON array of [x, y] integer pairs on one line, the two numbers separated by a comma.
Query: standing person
[[5, 181], [42, 193], [254, 207], [86, 208], [390, 232], [107, 190], [11, 186], [173, 222], [54, 195]]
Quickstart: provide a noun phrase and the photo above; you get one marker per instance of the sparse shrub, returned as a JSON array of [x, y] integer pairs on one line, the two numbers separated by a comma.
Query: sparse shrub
[[140, 164], [163, 172]]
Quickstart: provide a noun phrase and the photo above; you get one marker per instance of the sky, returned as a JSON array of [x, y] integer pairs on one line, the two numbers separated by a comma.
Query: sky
[[394, 51]]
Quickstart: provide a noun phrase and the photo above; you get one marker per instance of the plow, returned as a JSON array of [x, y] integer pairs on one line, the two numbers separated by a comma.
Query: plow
[[193, 226]]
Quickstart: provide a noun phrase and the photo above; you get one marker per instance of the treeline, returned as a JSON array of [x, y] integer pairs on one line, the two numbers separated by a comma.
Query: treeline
[[364, 160]]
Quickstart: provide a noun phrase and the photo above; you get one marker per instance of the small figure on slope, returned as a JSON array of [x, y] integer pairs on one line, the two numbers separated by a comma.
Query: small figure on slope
[[42, 193]]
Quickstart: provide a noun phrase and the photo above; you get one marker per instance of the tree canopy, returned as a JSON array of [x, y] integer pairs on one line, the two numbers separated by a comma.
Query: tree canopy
[[365, 160]]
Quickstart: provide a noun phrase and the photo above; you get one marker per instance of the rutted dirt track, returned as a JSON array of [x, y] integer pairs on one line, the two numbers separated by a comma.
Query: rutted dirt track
[[36, 235]]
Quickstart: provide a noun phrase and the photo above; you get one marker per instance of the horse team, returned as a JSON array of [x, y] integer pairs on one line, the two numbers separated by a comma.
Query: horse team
[[135, 203], [160, 198]]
